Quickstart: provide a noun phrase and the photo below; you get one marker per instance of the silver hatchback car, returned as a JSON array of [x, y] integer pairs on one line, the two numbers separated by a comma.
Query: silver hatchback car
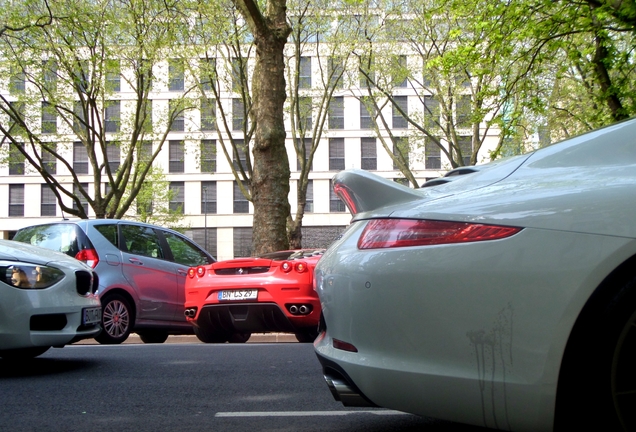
[[141, 268]]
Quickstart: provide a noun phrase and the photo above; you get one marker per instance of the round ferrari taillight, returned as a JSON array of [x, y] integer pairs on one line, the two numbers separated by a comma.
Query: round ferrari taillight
[[286, 266], [301, 267], [200, 271], [191, 272]]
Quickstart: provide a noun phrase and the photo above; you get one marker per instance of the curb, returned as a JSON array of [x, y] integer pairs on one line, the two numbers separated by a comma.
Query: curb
[[255, 338]]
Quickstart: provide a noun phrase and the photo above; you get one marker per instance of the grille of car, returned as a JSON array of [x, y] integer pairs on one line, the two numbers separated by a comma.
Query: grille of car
[[85, 284], [241, 270]]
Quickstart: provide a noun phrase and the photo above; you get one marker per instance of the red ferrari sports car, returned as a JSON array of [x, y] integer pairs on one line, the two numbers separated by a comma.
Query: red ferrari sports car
[[229, 300]]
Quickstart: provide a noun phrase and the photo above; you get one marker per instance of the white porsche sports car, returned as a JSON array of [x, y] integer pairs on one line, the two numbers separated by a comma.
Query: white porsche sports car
[[46, 299], [501, 295]]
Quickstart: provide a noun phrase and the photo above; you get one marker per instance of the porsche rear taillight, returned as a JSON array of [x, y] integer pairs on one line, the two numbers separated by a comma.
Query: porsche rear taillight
[[88, 256], [389, 233]]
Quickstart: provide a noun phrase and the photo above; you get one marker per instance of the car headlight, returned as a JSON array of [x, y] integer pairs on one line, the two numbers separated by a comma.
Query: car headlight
[[29, 276]]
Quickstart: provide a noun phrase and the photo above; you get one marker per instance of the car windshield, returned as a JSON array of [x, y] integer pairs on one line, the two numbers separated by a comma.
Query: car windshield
[[57, 237], [293, 254]]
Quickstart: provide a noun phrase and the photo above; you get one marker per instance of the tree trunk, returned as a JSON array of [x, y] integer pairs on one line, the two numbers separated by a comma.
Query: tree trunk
[[270, 178]]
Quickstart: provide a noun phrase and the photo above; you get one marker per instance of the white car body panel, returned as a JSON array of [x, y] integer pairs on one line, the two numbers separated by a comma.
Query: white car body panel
[[475, 332], [18, 305]]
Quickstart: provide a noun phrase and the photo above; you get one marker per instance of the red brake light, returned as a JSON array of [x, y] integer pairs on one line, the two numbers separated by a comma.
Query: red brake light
[[200, 271], [345, 346], [286, 266], [88, 256], [388, 233], [301, 267]]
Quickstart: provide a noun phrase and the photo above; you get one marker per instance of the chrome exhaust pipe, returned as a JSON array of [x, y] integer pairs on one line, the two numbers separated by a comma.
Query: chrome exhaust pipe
[[304, 310], [293, 309], [190, 313], [343, 392]]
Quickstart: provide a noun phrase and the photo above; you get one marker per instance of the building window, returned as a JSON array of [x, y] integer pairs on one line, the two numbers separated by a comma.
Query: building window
[[208, 114], [307, 144], [241, 162], [175, 75], [367, 71], [336, 113], [207, 73], [80, 158], [335, 204], [335, 71], [79, 119], [17, 81], [146, 120], [400, 151], [206, 238], [48, 201], [242, 242], [304, 73], [208, 156], [112, 116], [16, 159], [238, 114], [336, 154], [82, 198], [177, 197], [309, 198], [399, 76], [464, 112], [177, 115], [81, 76], [367, 111], [176, 149], [369, 156], [431, 112], [241, 204], [305, 109], [399, 120], [113, 76], [432, 151], [49, 118], [113, 155], [16, 200], [17, 117], [144, 152], [49, 161], [466, 146], [49, 74], [208, 197]]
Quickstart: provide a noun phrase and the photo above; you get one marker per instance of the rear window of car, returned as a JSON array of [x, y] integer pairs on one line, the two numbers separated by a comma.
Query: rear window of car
[[58, 237], [109, 232]]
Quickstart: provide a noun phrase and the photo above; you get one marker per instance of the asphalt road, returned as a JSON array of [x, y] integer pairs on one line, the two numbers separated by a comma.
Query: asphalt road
[[185, 387]]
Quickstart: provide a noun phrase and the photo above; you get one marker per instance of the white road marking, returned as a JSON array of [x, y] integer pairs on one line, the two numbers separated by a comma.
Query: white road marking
[[306, 413]]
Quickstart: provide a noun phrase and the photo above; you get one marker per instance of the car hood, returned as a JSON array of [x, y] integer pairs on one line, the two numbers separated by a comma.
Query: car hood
[[590, 178], [17, 251]]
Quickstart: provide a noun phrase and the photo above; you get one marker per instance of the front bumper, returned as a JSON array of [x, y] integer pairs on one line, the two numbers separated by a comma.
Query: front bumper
[[49, 317]]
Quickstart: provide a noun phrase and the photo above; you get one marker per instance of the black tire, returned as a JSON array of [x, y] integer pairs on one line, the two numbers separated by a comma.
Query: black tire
[[22, 353], [597, 385], [307, 335], [207, 336], [117, 320], [153, 336], [239, 337]]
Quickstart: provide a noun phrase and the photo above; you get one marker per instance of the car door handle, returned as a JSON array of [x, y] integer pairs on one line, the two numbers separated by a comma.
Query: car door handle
[[135, 261], [182, 272]]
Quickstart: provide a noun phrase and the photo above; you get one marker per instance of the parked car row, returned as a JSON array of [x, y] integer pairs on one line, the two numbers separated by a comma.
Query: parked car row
[[143, 283]]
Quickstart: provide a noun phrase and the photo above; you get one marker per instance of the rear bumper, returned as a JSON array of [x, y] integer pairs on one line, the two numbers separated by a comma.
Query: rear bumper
[[252, 317]]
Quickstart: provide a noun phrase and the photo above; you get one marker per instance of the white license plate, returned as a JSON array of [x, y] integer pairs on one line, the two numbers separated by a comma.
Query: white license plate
[[244, 294], [91, 315]]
